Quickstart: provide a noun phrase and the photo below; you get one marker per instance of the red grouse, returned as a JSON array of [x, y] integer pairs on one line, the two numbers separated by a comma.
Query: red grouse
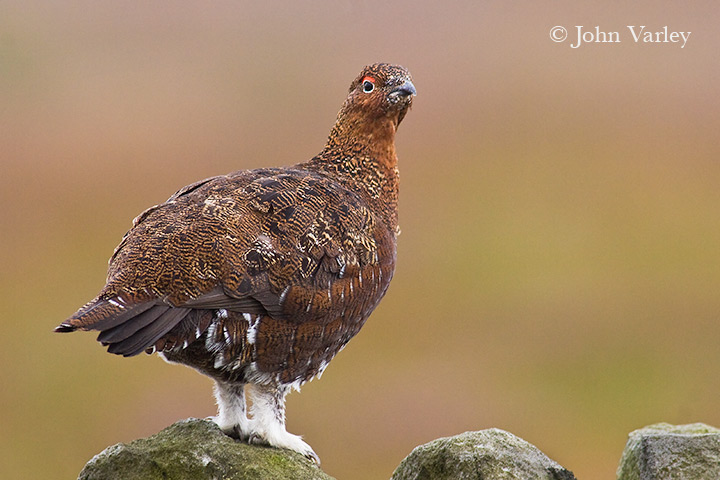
[[259, 277]]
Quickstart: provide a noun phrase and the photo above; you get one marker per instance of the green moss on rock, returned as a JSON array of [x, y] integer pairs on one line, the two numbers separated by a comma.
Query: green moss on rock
[[485, 455], [679, 452], [198, 450]]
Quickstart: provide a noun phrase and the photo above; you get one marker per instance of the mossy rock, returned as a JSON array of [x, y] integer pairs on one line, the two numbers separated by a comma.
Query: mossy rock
[[195, 449], [491, 454], [678, 452]]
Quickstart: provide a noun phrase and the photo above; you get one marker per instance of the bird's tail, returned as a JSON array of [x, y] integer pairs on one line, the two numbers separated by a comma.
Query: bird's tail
[[125, 328], [100, 314]]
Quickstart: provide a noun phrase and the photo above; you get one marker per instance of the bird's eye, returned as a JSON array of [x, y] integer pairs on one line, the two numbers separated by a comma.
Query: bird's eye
[[368, 84]]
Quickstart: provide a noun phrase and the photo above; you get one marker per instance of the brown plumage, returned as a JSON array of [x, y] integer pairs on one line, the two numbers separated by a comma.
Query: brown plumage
[[260, 277]]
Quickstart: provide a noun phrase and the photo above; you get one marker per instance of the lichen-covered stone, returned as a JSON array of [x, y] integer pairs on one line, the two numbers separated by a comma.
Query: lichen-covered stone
[[678, 452], [485, 455], [195, 449]]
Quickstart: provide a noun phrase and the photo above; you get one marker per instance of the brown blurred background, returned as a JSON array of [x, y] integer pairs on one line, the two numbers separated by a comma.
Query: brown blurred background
[[559, 267]]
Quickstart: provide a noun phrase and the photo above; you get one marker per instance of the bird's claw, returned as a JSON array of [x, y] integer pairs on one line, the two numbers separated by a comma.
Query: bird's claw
[[312, 456]]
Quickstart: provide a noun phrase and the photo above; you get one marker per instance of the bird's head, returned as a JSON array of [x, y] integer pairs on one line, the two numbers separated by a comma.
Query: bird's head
[[381, 90]]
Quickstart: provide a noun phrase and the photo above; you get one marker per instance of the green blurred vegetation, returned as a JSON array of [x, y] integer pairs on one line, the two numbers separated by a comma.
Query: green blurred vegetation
[[558, 270]]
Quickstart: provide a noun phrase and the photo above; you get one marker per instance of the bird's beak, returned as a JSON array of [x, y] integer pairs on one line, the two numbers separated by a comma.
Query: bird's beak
[[406, 89]]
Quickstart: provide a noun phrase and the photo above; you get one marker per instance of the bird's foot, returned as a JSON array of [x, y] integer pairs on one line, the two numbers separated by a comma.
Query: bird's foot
[[283, 439]]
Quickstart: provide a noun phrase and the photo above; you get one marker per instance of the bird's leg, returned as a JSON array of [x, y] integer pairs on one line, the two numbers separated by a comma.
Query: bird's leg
[[268, 420], [231, 416]]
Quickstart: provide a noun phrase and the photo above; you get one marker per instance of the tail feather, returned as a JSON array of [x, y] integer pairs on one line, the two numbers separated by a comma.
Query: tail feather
[[139, 341], [103, 314], [127, 329]]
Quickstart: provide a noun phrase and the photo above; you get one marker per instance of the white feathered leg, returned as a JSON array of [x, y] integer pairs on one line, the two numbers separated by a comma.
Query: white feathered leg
[[268, 420], [231, 417]]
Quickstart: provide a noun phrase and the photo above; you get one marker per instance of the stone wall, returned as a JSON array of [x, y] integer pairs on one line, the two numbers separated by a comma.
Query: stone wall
[[197, 450]]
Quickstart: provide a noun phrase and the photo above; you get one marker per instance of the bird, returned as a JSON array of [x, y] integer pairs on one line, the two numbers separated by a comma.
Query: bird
[[258, 278]]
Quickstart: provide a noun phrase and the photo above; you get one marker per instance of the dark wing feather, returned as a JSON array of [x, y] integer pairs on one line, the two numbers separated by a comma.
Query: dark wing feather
[[131, 326], [139, 341], [257, 302]]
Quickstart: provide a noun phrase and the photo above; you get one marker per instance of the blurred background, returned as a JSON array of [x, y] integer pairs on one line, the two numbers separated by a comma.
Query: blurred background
[[559, 266]]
